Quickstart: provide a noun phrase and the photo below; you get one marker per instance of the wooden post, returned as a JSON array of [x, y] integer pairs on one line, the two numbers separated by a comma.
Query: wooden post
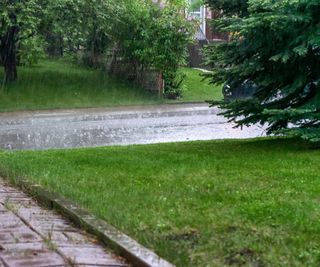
[[160, 85]]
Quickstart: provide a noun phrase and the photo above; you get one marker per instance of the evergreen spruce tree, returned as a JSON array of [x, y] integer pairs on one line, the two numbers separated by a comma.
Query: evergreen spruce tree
[[276, 45]]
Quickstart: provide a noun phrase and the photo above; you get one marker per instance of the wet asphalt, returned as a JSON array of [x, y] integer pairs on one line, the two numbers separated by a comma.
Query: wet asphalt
[[117, 126]]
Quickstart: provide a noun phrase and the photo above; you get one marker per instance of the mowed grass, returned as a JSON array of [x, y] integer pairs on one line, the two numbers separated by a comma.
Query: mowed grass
[[57, 84], [54, 84], [197, 89], [212, 203]]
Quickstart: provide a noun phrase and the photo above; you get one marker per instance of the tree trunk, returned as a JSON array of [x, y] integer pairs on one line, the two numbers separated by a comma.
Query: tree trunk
[[61, 46], [9, 54], [10, 68]]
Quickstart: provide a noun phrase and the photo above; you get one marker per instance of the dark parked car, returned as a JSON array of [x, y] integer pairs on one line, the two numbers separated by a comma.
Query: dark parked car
[[247, 89]]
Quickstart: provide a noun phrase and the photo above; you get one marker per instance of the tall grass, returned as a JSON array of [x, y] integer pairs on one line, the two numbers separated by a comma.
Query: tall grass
[[55, 84], [198, 89], [60, 84]]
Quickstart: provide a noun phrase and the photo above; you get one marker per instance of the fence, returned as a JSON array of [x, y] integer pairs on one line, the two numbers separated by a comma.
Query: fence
[[147, 78]]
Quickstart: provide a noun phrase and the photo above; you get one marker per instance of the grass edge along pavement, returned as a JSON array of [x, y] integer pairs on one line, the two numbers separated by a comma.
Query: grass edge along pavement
[[211, 203], [30, 236], [122, 244]]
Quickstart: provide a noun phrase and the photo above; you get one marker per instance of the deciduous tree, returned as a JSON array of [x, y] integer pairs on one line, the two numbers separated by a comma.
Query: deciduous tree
[[19, 21]]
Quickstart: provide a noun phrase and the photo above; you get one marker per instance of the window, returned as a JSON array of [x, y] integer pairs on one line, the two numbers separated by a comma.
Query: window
[[197, 11]]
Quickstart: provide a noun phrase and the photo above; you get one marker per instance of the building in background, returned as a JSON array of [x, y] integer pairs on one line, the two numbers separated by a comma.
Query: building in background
[[205, 33], [204, 15]]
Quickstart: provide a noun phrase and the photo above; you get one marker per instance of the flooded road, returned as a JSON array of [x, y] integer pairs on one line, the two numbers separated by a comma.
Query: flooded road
[[116, 126]]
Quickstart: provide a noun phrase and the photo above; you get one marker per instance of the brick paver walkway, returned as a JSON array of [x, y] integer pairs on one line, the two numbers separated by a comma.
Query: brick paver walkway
[[33, 236]]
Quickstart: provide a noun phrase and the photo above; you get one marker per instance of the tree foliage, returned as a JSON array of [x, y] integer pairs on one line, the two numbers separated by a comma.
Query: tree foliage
[[147, 34], [19, 21], [28, 26], [154, 37], [230, 7], [277, 46], [81, 25]]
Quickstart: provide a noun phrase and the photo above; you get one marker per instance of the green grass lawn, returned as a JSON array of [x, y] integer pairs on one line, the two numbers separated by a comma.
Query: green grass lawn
[[197, 89], [59, 84], [212, 203]]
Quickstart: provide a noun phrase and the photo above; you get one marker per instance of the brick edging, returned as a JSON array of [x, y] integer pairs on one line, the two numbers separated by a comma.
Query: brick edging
[[131, 250]]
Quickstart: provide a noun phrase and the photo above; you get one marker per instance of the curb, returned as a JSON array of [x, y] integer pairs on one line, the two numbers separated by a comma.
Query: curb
[[131, 250], [104, 107]]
